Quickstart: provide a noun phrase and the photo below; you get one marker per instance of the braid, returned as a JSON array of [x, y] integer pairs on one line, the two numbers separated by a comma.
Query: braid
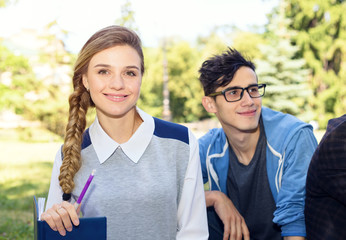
[[79, 102]]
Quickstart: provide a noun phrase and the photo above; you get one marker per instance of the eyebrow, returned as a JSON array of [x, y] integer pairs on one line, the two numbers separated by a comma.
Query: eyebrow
[[250, 85], [109, 66]]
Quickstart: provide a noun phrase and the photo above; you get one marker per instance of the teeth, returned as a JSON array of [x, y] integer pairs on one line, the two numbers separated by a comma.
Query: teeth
[[117, 97]]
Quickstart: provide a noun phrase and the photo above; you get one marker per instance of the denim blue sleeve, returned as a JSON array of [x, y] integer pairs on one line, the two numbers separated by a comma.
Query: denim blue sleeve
[[203, 148], [291, 197]]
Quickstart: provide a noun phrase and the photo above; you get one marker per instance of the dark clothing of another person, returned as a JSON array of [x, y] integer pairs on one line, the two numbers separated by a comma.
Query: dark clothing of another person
[[325, 206], [248, 189]]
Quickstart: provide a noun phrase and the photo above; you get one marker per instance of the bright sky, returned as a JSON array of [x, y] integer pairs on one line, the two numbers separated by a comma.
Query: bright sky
[[154, 18]]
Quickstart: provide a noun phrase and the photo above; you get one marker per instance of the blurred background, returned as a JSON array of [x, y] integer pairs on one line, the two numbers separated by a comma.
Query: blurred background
[[298, 47]]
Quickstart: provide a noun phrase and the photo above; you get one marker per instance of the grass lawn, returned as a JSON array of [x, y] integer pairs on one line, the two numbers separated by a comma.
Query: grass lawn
[[25, 170]]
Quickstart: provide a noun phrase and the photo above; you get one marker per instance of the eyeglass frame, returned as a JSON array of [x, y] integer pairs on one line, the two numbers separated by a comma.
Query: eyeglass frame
[[242, 92]]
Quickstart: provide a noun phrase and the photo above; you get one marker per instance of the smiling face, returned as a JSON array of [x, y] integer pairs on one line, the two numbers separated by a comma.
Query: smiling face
[[240, 116], [114, 79]]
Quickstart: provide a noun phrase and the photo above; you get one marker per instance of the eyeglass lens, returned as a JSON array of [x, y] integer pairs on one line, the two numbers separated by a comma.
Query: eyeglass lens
[[235, 94]]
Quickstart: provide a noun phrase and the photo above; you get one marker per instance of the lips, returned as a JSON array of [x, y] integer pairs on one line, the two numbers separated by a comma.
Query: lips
[[248, 113], [116, 98]]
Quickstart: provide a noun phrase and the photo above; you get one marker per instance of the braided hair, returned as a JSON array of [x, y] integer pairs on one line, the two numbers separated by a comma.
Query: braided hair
[[80, 99]]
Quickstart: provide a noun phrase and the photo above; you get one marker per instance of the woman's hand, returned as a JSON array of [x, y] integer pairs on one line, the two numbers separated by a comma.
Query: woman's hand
[[60, 216]]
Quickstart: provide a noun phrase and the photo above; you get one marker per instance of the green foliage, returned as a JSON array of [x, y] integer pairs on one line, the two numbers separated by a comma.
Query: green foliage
[[185, 89], [17, 80], [286, 78], [249, 44], [283, 71], [37, 96], [52, 114], [301, 56], [321, 36], [151, 97]]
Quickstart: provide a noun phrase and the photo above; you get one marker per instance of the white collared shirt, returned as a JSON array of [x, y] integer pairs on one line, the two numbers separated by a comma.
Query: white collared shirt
[[191, 215]]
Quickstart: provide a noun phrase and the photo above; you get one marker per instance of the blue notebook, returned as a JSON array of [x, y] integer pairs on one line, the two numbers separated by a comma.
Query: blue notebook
[[88, 228]]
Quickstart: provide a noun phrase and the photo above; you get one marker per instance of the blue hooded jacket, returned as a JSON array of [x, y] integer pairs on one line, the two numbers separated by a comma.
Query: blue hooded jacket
[[290, 146]]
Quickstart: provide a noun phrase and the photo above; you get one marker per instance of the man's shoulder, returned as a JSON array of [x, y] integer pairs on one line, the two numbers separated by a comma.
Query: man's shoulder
[[212, 135], [279, 121], [276, 116], [336, 123], [215, 139], [280, 127], [335, 133]]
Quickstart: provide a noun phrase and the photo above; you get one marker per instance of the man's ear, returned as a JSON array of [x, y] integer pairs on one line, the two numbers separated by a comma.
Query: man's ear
[[209, 104], [85, 81]]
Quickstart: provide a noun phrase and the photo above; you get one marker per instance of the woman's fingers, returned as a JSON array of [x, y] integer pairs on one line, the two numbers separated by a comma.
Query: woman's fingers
[[49, 220], [52, 217], [72, 213], [59, 217], [65, 219]]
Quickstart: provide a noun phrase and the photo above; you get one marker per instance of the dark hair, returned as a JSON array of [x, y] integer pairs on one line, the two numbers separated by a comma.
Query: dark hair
[[219, 70], [80, 99]]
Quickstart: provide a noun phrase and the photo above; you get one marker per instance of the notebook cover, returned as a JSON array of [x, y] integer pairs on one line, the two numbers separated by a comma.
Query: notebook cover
[[88, 228]]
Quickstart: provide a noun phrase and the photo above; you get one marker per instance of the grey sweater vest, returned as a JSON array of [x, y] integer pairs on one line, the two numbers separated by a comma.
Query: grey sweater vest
[[140, 200]]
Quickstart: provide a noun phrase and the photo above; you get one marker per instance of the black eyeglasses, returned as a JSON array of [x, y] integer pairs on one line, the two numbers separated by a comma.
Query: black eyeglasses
[[234, 94]]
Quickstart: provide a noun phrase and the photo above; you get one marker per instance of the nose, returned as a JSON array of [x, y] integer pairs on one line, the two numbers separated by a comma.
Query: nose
[[246, 99], [116, 82]]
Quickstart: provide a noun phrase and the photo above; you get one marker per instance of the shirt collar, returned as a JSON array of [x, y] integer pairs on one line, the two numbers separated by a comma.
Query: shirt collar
[[134, 148]]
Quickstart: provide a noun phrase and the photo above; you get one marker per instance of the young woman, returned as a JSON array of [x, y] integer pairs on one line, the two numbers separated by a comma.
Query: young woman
[[148, 179]]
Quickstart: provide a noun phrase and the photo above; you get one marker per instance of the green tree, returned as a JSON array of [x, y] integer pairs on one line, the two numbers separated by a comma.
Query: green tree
[[39, 90], [285, 74], [17, 80], [185, 90], [57, 84], [249, 43], [321, 37], [184, 87], [151, 97]]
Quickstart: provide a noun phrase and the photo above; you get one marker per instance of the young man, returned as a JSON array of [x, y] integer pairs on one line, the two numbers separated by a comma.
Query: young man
[[325, 203], [256, 164]]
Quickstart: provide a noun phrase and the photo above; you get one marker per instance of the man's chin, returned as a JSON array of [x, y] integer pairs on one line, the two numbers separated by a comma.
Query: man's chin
[[250, 129]]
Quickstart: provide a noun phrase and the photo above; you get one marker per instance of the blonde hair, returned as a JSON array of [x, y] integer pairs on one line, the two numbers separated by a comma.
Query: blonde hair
[[80, 99]]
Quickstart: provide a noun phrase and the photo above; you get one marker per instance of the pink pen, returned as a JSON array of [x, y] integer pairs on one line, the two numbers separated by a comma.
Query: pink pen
[[76, 205]]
